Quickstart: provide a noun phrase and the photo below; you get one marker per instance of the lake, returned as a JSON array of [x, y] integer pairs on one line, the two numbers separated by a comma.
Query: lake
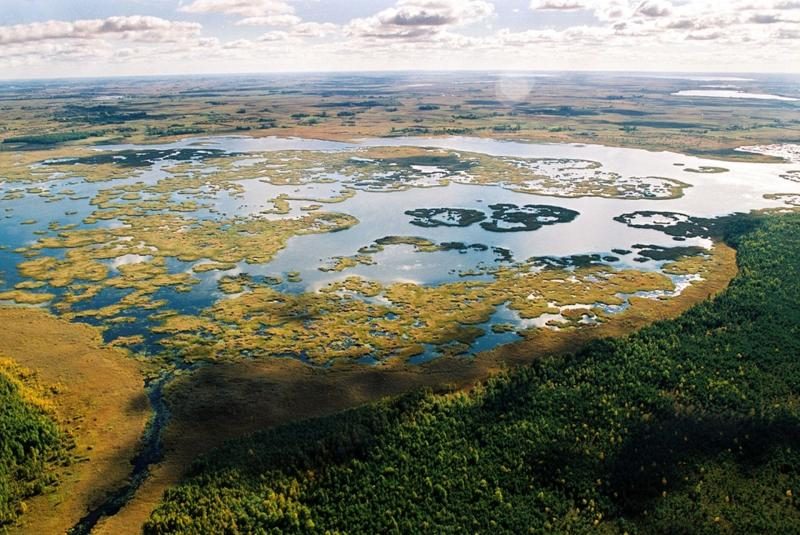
[[380, 247]]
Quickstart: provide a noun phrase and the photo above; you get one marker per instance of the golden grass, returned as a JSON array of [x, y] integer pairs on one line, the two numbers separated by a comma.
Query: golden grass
[[398, 170], [704, 126], [28, 385], [341, 322], [97, 396], [22, 297]]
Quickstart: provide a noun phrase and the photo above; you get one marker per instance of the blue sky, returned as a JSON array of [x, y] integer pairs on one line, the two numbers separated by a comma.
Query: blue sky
[[98, 37]]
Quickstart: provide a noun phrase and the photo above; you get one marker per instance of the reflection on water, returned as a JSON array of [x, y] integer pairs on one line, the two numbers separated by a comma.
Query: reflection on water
[[381, 214]]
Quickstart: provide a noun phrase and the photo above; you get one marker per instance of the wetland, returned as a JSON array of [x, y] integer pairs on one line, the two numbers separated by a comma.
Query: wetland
[[349, 247], [405, 249]]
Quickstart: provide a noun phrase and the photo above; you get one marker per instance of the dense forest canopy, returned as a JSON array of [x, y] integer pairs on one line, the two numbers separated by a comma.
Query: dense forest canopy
[[30, 442], [688, 426]]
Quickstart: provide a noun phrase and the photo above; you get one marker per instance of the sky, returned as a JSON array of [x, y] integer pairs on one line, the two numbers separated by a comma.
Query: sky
[[57, 38]]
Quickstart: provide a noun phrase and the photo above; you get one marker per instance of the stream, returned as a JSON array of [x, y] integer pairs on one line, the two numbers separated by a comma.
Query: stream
[[150, 453]]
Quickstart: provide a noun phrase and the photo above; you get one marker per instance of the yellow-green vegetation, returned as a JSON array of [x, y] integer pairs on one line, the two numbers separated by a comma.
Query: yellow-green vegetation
[[212, 266], [695, 265], [400, 168], [371, 169], [150, 240], [707, 169], [281, 205], [345, 193], [791, 199], [358, 318], [26, 384], [29, 167], [341, 263], [152, 225], [22, 297], [60, 273], [620, 111], [421, 245], [124, 264], [252, 240]]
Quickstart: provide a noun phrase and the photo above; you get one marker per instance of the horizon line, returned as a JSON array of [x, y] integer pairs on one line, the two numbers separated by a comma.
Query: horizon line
[[391, 71]]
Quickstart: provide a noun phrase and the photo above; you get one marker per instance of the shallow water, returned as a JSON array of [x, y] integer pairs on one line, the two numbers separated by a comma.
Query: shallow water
[[728, 93], [740, 188]]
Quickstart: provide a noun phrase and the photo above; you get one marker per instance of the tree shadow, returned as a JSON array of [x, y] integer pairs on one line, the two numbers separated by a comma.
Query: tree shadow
[[663, 456]]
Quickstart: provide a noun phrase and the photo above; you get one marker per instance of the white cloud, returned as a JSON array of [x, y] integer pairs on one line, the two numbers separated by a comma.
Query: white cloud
[[788, 33], [243, 8], [412, 34], [268, 13], [314, 29], [270, 20], [764, 18], [133, 27], [269, 37], [293, 26], [655, 8], [420, 19], [557, 5], [704, 35]]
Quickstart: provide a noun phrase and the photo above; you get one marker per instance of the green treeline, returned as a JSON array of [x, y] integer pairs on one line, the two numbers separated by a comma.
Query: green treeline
[[29, 443], [53, 138], [688, 426]]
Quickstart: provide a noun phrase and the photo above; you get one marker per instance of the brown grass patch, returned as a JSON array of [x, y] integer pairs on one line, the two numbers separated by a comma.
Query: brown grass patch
[[99, 400]]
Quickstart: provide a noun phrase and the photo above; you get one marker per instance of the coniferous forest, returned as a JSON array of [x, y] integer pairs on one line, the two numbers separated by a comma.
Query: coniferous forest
[[30, 442]]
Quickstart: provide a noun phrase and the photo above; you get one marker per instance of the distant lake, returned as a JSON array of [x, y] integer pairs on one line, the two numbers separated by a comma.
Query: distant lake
[[728, 93]]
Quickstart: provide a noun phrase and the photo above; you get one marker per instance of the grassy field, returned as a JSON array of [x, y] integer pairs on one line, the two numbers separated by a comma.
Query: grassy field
[[616, 110], [96, 399]]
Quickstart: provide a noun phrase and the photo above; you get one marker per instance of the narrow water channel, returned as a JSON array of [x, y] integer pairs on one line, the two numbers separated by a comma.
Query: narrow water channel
[[150, 453]]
